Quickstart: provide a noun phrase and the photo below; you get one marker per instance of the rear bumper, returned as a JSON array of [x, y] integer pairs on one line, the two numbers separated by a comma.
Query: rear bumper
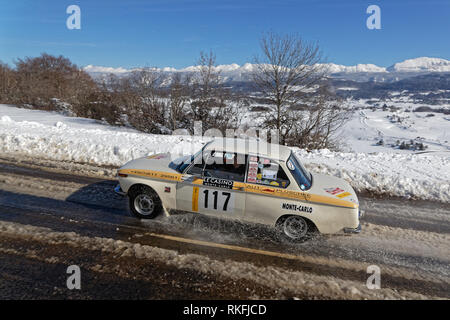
[[118, 190]]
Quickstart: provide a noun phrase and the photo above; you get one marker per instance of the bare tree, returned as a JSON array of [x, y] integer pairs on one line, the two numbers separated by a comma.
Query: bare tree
[[149, 114], [45, 79], [314, 125], [211, 102], [111, 101], [178, 101], [8, 84], [289, 75]]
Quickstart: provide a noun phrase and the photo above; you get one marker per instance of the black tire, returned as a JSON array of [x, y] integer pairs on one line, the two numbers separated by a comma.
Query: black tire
[[144, 202], [295, 228]]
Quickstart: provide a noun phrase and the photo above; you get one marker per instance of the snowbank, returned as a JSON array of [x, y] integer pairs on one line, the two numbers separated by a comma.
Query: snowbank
[[53, 136], [101, 146], [421, 176]]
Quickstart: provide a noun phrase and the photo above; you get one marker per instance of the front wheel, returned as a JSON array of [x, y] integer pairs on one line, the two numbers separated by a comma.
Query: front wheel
[[144, 202], [295, 228]]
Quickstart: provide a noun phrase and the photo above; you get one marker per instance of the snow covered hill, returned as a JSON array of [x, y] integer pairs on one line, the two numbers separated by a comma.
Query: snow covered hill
[[50, 135]]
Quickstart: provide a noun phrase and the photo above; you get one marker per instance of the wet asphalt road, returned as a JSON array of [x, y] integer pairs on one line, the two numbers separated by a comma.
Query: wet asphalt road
[[409, 240]]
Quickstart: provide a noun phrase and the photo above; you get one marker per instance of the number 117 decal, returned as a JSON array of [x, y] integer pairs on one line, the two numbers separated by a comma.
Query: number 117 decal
[[216, 200]]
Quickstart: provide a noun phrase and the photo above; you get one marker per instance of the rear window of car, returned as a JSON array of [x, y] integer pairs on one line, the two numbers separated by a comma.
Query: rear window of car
[[265, 171]]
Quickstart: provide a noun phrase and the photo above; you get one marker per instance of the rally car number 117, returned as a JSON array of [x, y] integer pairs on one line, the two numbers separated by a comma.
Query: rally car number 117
[[234, 179]]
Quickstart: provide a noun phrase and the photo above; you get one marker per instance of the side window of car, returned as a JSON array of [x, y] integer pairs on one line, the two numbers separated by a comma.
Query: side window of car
[[266, 172], [226, 165]]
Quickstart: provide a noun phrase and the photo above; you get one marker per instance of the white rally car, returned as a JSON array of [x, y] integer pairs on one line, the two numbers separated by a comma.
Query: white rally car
[[244, 180]]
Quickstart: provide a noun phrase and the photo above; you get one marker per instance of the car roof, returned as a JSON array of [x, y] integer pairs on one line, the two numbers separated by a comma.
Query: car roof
[[250, 146]]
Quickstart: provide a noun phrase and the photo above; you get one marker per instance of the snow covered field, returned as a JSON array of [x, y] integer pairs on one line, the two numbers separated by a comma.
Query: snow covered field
[[388, 171], [368, 126]]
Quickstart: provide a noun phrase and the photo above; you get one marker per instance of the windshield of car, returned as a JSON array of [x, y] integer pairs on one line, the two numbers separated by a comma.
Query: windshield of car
[[178, 162], [301, 175], [181, 164]]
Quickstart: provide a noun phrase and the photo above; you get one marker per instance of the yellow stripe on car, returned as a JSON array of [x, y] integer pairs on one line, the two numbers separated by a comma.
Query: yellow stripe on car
[[296, 195], [248, 187], [343, 195], [152, 174], [195, 199]]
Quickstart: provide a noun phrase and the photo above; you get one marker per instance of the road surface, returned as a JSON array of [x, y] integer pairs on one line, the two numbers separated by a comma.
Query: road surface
[[57, 214]]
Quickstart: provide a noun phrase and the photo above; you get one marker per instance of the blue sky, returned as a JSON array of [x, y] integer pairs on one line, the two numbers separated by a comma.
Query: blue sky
[[163, 33]]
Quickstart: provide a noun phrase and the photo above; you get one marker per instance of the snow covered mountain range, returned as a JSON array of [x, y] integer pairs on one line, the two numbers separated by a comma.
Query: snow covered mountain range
[[421, 64], [359, 72]]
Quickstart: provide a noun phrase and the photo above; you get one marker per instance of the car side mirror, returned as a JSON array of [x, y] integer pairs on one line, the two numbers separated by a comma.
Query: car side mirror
[[205, 173], [185, 177]]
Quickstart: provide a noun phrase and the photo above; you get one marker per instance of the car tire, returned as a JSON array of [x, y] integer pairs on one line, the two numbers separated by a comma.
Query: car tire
[[144, 202], [295, 228]]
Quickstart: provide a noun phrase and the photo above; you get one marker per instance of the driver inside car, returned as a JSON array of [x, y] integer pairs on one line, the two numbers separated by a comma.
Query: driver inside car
[[225, 168]]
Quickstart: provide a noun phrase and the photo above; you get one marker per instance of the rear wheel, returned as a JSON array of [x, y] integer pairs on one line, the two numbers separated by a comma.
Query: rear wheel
[[144, 202]]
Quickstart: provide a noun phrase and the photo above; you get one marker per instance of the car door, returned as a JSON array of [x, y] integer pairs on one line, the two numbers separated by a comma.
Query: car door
[[267, 182], [214, 186]]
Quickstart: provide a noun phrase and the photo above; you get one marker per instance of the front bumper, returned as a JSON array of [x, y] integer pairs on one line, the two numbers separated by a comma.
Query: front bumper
[[358, 228], [118, 190], [353, 230], [360, 213]]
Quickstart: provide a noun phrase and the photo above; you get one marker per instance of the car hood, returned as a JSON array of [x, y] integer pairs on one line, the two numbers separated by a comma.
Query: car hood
[[156, 162], [334, 187]]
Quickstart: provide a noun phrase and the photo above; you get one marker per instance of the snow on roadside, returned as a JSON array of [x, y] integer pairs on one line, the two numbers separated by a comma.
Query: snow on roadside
[[421, 176], [82, 140], [56, 137]]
